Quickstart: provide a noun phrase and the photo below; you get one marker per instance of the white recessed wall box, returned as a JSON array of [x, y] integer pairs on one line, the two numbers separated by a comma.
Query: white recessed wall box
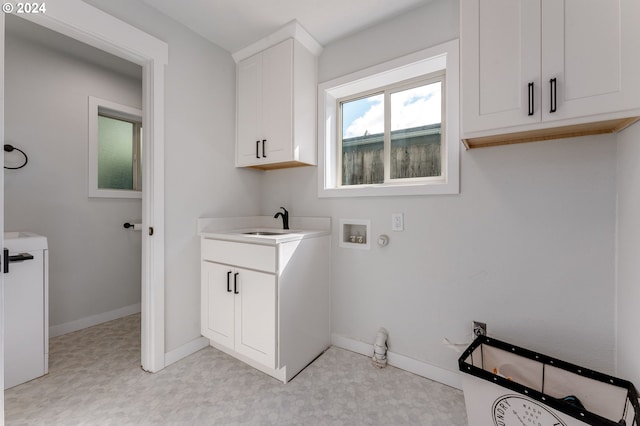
[[355, 233]]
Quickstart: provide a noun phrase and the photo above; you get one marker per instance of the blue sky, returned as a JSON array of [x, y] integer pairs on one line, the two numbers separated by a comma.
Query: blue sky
[[414, 107], [354, 110]]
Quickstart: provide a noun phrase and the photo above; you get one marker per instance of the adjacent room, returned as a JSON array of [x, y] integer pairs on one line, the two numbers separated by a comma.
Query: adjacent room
[[358, 212]]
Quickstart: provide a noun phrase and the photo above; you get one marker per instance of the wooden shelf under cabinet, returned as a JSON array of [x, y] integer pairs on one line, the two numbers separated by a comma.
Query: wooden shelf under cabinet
[[283, 165], [585, 129]]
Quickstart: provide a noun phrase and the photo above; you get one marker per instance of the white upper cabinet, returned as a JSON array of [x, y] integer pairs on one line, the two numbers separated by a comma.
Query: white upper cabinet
[[276, 101], [591, 48], [500, 57], [249, 110], [529, 65], [265, 106]]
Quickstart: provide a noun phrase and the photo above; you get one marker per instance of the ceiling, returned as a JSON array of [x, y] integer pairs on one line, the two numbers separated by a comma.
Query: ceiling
[[235, 24], [232, 24]]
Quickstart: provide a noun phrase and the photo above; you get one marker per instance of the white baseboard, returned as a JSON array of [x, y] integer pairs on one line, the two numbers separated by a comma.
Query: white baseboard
[[79, 324], [185, 350], [420, 368]]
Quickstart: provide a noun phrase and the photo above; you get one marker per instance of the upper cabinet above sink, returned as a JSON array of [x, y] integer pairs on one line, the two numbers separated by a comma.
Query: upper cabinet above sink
[[276, 101], [544, 69]]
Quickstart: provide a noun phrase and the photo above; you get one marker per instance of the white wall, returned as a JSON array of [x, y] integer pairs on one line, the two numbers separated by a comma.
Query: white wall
[[628, 289], [94, 262], [200, 177], [528, 246]]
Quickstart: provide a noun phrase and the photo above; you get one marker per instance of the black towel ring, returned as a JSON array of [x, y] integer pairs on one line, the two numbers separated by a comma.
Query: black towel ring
[[9, 148]]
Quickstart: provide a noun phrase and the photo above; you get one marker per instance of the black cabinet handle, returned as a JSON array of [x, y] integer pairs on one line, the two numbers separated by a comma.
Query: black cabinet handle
[[15, 258], [553, 97], [228, 282], [258, 149], [235, 283], [20, 257], [531, 104], [264, 152]]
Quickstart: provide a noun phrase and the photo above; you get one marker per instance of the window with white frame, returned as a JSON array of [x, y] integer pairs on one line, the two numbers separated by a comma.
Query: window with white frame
[[392, 129], [115, 150], [392, 135]]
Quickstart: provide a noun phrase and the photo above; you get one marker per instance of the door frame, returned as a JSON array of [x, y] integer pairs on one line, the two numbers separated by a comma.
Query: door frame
[[87, 24]]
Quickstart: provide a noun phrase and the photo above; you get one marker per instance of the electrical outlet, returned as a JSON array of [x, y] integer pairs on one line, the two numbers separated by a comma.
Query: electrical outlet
[[479, 329], [397, 221]]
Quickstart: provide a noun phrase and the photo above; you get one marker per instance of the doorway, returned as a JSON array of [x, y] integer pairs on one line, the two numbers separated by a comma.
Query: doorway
[[87, 24], [94, 262]]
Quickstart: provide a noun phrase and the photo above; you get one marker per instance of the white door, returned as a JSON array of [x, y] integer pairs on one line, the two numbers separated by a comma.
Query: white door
[[277, 101], [249, 112], [590, 47], [255, 316], [500, 63], [218, 303], [2, 218]]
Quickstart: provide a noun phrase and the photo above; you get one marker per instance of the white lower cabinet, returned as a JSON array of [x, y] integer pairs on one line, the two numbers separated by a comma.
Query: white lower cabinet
[[240, 310], [267, 305], [26, 295]]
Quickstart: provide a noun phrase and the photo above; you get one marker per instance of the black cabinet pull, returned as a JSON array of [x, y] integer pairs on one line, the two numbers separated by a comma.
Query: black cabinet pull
[[235, 283], [5, 261], [228, 282], [531, 104], [554, 92], [20, 257], [258, 149], [264, 152]]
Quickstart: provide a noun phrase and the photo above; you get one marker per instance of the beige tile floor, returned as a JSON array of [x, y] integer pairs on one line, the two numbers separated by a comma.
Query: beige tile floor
[[95, 379]]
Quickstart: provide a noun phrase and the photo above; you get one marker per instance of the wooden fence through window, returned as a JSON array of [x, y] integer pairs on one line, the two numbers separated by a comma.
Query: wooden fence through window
[[415, 152]]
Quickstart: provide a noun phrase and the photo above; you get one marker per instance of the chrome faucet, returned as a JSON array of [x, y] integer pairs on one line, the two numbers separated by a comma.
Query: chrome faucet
[[285, 218]]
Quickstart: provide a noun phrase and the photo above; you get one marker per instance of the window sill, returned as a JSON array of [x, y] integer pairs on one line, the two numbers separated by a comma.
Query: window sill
[[437, 187], [114, 193]]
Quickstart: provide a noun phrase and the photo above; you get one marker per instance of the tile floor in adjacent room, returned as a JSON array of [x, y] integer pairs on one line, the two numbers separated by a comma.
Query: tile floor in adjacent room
[[94, 378]]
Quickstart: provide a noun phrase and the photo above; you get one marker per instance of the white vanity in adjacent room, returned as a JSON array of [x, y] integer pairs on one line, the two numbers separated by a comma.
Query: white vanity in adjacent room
[[26, 307], [266, 291]]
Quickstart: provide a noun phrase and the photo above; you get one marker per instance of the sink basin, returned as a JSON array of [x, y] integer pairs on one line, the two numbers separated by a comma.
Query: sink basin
[[265, 233]]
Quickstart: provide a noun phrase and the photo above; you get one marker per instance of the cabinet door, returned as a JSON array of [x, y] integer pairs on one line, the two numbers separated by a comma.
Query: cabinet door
[[24, 345], [591, 48], [255, 317], [500, 56], [217, 313], [277, 101], [249, 112]]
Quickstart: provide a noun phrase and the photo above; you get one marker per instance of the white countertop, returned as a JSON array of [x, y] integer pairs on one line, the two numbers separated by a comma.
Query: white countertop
[[24, 241], [235, 229]]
